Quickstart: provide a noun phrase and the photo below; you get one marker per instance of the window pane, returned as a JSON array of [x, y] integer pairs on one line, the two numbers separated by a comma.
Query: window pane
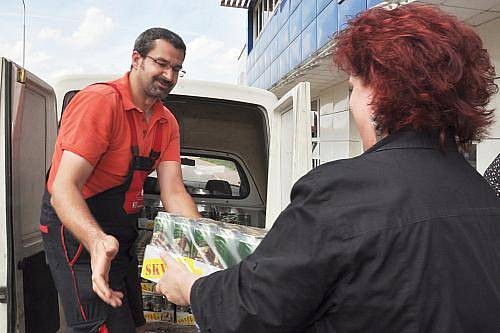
[[349, 9], [322, 4], [371, 3], [308, 12], [284, 62], [283, 37], [284, 12], [267, 78], [275, 72], [207, 176], [309, 40], [294, 4], [327, 23], [296, 52], [296, 23]]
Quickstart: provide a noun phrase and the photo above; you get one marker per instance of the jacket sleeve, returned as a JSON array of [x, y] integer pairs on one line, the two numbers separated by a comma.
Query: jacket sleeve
[[280, 287]]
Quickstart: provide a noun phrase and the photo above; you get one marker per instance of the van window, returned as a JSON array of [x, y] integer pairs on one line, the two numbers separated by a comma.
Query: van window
[[211, 176], [208, 176]]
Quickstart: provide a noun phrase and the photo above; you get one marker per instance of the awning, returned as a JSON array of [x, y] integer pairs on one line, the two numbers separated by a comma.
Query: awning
[[235, 3]]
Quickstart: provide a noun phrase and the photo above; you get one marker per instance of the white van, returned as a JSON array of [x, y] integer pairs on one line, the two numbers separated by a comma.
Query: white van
[[242, 149]]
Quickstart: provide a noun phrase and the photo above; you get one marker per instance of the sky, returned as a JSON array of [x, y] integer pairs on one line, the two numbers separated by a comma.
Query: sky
[[97, 36]]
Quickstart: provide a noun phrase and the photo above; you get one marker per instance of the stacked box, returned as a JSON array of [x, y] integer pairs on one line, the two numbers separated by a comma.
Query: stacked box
[[203, 245]]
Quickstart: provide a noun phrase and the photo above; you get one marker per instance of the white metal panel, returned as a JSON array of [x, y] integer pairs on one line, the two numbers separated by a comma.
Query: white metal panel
[[3, 218], [290, 122], [184, 87], [286, 155]]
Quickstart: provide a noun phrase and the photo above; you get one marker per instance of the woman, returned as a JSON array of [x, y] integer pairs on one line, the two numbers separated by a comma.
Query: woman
[[405, 237]]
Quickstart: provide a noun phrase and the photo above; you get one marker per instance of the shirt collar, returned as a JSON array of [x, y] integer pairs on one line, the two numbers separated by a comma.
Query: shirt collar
[[123, 84], [408, 139]]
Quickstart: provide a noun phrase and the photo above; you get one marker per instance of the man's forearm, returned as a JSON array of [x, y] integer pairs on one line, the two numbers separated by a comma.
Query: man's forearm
[[75, 215], [181, 203]]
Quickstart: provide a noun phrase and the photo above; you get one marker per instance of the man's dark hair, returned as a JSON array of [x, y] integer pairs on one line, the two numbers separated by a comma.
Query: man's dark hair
[[146, 40]]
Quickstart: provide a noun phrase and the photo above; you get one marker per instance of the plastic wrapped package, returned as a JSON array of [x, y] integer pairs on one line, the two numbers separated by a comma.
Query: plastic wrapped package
[[203, 245]]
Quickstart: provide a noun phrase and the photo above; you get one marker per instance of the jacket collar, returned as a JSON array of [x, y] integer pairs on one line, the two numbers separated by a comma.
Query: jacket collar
[[409, 139]]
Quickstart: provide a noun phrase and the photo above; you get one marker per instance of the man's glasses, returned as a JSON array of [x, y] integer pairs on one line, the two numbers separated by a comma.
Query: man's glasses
[[164, 65]]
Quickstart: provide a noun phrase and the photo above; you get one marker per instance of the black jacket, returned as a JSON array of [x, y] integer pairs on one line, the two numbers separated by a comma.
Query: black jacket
[[404, 238]]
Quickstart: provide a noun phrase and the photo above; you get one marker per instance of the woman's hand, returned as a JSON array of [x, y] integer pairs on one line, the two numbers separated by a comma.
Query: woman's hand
[[177, 281]]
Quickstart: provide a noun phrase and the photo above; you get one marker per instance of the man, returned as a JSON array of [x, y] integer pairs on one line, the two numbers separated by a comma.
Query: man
[[112, 136]]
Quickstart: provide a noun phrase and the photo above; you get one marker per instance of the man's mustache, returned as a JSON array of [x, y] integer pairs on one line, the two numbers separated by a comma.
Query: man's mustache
[[164, 82]]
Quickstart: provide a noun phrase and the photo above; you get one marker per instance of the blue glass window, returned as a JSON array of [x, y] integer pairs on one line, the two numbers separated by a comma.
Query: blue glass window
[[327, 23], [348, 9], [267, 57], [308, 12], [267, 78], [259, 67], [284, 9], [256, 49], [263, 37], [309, 40], [322, 4], [371, 3], [294, 4], [296, 52], [284, 63], [296, 22], [273, 25], [283, 37], [275, 71], [273, 49]]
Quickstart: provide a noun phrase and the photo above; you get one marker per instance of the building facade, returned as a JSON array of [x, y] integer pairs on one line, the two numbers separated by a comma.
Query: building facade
[[289, 41]]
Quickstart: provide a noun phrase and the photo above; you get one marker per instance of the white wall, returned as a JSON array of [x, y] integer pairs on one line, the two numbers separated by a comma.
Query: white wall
[[339, 137], [489, 148]]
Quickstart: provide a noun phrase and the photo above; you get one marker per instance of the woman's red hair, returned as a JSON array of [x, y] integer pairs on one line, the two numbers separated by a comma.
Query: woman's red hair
[[428, 70]]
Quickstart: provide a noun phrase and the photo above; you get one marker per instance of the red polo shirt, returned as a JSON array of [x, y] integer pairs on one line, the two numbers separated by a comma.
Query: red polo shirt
[[95, 127]]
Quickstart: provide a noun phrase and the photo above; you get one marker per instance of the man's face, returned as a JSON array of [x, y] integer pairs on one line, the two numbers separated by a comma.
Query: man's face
[[159, 69]]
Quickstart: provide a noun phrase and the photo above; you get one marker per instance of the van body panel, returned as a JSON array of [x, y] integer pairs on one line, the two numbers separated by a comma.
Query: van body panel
[[232, 127], [6, 279], [184, 87], [30, 120], [290, 151]]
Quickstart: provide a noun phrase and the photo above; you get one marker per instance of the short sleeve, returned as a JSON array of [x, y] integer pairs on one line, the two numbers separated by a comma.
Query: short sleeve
[[171, 151], [86, 126]]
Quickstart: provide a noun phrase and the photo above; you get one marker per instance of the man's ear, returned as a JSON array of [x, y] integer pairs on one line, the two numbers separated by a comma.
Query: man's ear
[[136, 58]]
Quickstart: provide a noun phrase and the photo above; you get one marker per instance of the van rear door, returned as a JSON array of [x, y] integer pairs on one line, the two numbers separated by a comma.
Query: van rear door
[[290, 149], [28, 127]]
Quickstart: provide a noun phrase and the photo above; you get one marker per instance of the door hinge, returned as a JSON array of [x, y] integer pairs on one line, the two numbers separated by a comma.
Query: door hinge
[[3, 295]]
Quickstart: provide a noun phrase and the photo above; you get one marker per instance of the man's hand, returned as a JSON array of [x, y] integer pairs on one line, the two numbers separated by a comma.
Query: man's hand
[[176, 282], [103, 250]]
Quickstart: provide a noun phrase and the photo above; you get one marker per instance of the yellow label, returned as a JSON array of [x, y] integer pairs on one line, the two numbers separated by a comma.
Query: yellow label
[[147, 286], [158, 316], [190, 263], [153, 268], [185, 319], [152, 316]]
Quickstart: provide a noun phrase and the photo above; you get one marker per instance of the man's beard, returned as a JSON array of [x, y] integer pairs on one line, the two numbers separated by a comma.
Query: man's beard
[[154, 91]]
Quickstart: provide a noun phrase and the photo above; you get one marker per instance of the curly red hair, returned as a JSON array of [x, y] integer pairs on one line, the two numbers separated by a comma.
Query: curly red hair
[[428, 70]]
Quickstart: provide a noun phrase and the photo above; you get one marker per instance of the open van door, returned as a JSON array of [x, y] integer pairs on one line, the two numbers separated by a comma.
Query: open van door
[[28, 129], [290, 149]]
